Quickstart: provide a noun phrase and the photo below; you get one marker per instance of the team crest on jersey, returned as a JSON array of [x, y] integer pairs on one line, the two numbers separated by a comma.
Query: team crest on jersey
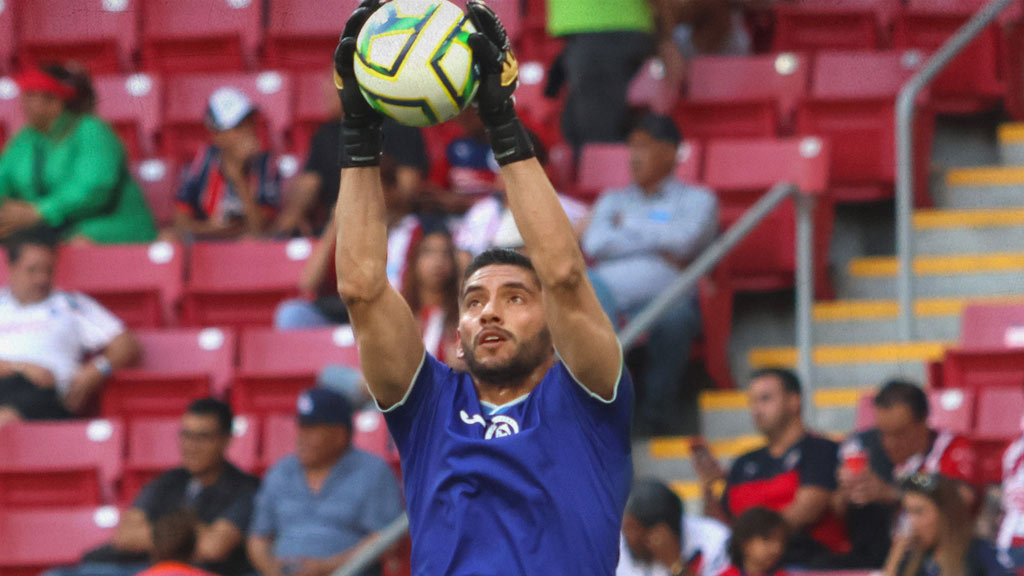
[[792, 459], [499, 427]]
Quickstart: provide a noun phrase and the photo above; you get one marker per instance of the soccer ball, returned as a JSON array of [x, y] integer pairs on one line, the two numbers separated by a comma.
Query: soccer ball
[[413, 61]]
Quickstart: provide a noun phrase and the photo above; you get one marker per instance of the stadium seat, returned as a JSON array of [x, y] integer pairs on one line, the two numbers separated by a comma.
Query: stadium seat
[[279, 433], [539, 113], [190, 36], [991, 326], [7, 42], [981, 368], [370, 434], [274, 367], [47, 464], [971, 83], [864, 419], [605, 166], [998, 423], [158, 178], [132, 104], [11, 118], [224, 289], [186, 100], [509, 13], [139, 283], [740, 172], [302, 35], [153, 448], [315, 103], [811, 25], [177, 366], [852, 104], [100, 34], [952, 409], [32, 541], [743, 97]]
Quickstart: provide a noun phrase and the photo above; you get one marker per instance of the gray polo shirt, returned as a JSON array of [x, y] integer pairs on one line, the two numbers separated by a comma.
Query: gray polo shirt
[[359, 497]]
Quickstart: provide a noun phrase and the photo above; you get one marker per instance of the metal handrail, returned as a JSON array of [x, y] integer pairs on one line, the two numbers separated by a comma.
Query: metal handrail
[[683, 285], [905, 153]]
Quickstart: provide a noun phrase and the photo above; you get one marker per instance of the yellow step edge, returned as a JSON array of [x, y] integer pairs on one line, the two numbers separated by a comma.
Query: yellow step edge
[[939, 265], [674, 447], [731, 400], [953, 219], [986, 176], [1011, 133], [688, 491], [859, 310], [881, 353]]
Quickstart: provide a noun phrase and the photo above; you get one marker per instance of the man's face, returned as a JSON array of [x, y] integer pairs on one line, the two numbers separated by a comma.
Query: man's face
[[636, 538], [902, 436], [503, 332], [202, 443], [241, 142], [31, 277], [771, 407], [650, 160], [320, 445]]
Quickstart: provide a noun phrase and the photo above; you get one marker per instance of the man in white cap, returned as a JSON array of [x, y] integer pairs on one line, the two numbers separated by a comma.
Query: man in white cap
[[233, 187]]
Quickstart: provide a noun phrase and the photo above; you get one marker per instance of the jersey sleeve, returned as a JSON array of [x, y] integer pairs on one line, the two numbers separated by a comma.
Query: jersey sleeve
[[95, 324], [607, 421], [410, 419], [818, 463]]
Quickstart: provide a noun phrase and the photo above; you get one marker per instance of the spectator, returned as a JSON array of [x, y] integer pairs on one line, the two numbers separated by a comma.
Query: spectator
[[311, 194], [938, 534], [321, 306], [659, 539], [606, 43], [469, 171], [66, 168], [431, 287], [233, 188], [48, 337], [320, 505], [1011, 531], [758, 544], [174, 545], [207, 484], [710, 27], [875, 462], [639, 240], [794, 474]]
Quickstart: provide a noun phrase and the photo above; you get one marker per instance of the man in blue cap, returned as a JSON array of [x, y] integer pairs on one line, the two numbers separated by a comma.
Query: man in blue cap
[[319, 505]]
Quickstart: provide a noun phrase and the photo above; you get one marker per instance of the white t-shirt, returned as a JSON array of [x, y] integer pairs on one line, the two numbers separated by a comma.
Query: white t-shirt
[[1013, 496], [55, 333], [700, 534], [489, 224]]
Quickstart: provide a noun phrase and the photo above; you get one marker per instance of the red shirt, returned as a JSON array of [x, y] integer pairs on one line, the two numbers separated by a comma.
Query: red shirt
[[732, 570], [173, 569]]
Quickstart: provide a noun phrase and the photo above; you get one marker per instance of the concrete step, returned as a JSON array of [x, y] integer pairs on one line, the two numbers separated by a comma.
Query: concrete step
[[856, 365], [969, 231], [1011, 143], [726, 413], [981, 187], [946, 275]]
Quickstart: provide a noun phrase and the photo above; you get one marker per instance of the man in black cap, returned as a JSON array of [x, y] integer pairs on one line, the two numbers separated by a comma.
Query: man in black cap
[[639, 239], [317, 506]]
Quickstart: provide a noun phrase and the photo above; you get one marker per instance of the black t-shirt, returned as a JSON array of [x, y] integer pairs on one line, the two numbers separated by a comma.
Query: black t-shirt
[[758, 479], [229, 498]]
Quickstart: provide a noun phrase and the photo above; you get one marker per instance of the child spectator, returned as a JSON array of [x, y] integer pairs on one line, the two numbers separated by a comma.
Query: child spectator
[[757, 545]]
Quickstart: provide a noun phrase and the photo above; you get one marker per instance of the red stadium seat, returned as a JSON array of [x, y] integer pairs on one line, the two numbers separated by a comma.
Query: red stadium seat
[[139, 283], [189, 36], [952, 409], [811, 25], [100, 34], [279, 433], [59, 464], [274, 367], [865, 416], [992, 326], [852, 103], [740, 172], [370, 434], [7, 42], [153, 448], [223, 289], [998, 423], [32, 541], [743, 97], [177, 367], [302, 34], [158, 178], [187, 96], [132, 104], [539, 113], [316, 102], [981, 368], [509, 13], [604, 166], [11, 118]]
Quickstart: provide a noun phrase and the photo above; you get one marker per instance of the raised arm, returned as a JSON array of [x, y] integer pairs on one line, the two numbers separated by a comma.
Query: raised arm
[[390, 345], [582, 333]]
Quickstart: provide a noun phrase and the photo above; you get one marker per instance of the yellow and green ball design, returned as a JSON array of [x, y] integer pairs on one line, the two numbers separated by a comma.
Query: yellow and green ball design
[[413, 61]]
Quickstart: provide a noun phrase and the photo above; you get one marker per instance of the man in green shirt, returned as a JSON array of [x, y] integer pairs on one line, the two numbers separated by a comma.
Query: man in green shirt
[[67, 169]]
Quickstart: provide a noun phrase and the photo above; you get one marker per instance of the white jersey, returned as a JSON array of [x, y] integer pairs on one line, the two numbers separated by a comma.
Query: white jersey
[[701, 535], [489, 224], [1013, 496], [55, 333]]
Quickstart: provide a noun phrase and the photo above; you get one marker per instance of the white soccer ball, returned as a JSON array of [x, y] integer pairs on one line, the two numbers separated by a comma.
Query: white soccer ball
[[413, 61]]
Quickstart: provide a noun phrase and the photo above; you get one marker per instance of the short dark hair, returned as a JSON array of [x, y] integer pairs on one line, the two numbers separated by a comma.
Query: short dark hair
[[755, 522], [652, 503], [790, 381], [495, 257], [43, 236], [906, 393], [174, 536], [216, 408]]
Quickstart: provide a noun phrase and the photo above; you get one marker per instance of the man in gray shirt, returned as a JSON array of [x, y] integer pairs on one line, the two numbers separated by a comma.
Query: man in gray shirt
[[640, 238], [319, 505]]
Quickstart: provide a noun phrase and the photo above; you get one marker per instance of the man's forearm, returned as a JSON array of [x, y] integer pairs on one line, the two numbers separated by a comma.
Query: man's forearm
[[261, 556], [123, 351]]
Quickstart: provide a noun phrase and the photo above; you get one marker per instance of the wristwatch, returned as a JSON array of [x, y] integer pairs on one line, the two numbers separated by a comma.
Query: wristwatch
[[103, 366]]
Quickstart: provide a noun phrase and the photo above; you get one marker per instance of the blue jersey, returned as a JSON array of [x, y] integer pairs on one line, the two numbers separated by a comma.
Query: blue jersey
[[537, 486]]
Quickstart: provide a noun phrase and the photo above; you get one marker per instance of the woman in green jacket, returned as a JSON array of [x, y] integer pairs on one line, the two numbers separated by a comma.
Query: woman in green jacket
[[67, 169]]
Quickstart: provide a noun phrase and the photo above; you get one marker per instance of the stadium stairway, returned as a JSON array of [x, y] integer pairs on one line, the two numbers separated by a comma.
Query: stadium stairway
[[970, 247]]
